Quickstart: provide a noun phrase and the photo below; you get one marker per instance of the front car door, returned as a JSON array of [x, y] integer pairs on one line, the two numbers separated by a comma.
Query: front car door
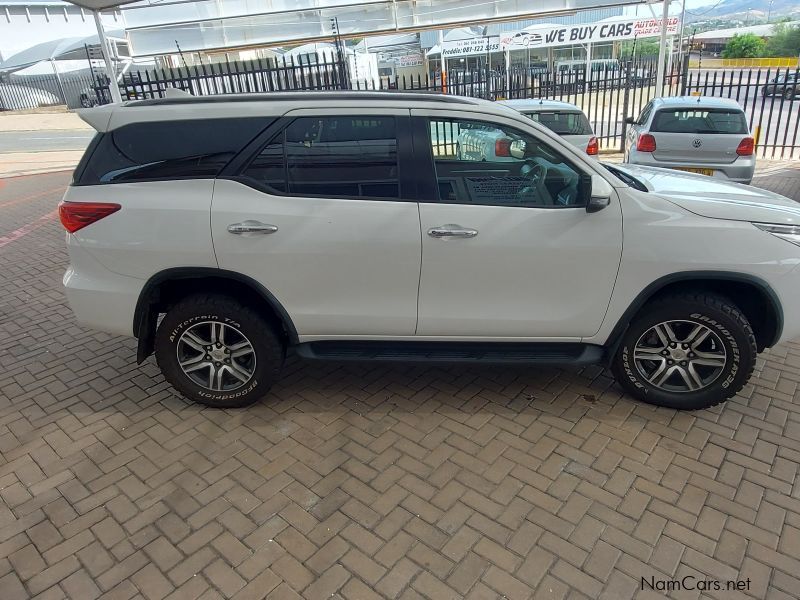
[[508, 250], [324, 217]]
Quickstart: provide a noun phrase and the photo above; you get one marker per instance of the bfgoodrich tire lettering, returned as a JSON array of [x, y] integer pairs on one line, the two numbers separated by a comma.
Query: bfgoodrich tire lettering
[[206, 319], [723, 326]]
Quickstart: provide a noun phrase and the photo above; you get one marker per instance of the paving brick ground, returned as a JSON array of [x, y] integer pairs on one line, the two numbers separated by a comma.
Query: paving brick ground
[[367, 482]]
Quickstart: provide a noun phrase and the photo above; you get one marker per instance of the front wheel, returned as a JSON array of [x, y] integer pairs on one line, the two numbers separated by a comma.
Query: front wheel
[[686, 351], [789, 94], [218, 352]]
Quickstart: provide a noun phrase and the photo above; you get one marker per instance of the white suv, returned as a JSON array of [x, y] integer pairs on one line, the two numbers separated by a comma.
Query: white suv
[[224, 232]]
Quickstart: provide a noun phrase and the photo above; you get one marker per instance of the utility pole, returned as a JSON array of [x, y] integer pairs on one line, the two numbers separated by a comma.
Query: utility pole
[[680, 39]]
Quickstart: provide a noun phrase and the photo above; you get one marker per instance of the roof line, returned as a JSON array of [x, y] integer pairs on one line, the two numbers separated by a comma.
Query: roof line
[[304, 95]]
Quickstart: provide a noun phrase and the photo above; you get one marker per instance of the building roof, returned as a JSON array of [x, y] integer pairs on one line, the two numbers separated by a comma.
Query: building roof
[[721, 35]]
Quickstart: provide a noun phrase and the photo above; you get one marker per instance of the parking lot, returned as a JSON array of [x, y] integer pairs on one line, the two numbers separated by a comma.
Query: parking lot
[[363, 481]]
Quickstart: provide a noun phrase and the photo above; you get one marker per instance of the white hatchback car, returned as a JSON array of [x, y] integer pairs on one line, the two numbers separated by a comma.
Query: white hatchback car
[[562, 118], [698, 134], [224, 232]]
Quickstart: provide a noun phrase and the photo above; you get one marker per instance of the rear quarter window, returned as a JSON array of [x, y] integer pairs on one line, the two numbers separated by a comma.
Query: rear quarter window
[[718, 120], [190, 149]]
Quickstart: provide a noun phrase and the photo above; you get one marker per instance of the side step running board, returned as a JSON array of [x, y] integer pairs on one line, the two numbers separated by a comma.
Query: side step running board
[[454, 352]]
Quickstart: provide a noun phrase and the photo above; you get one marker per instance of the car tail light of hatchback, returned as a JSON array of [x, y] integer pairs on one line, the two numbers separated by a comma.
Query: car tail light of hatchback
[[502, 147], [746, 147], [646, 143], [77, 215], [593, 147]]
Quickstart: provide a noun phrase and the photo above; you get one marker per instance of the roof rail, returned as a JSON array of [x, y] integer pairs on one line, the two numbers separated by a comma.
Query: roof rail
[[305, 95]]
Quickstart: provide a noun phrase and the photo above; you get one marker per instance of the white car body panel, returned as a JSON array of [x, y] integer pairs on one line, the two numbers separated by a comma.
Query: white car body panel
[[524, 275], [161, 225], [662, 239], [336, 266], [716, 199]]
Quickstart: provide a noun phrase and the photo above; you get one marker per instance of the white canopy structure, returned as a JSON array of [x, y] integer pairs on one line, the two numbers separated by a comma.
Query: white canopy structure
[[64, 49]]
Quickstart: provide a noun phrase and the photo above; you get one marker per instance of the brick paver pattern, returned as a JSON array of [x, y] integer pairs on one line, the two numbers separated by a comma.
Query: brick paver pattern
[[363, 481]]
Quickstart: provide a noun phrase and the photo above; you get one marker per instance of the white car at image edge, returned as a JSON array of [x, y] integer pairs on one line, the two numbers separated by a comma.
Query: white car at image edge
[[226, 232]]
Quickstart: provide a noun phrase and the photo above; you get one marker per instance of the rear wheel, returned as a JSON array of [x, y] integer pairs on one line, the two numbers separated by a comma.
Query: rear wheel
[[218, 352], [686, 351]]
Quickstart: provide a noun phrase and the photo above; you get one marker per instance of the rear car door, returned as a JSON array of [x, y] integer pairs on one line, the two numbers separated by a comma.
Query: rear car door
[[698, 135], [508, 250], [323, 216]]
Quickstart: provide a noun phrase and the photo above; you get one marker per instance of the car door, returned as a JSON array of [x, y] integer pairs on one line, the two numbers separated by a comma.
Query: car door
[[508, 250], [324, 218]]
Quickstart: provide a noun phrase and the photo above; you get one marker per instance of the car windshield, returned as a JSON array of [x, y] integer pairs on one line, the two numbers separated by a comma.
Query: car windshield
[[705, 120], [563, 123], [627, 178]]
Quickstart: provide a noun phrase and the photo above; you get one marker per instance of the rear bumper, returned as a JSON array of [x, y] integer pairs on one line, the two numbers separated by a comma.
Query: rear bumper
[[740, 171], [99, 298]]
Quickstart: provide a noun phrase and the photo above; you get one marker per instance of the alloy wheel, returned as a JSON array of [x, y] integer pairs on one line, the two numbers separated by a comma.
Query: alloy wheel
[[216, 356], [680, 356]]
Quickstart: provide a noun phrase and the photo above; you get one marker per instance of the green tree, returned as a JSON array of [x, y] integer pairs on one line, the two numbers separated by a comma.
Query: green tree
[[645, 47], [747, 45], [785, 41]]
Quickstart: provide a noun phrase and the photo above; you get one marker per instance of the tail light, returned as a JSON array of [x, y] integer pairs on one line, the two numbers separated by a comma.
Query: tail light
[[746, 147], [593, 148], [77, 215], [502, 147], [646, 143]]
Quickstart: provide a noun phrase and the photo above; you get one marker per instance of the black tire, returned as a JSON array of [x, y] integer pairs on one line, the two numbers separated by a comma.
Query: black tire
[[789, 94], [268, 351], [722, 318]]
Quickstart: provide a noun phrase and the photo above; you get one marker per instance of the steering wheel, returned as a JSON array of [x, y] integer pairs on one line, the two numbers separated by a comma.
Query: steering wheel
[[533, 171], [536, 174]]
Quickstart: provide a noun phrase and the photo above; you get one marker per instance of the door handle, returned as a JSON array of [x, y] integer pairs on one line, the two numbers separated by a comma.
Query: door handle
[[251, 227], [452, 231]]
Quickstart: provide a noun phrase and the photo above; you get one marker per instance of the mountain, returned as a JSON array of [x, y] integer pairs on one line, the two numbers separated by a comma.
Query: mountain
[[744, 10]]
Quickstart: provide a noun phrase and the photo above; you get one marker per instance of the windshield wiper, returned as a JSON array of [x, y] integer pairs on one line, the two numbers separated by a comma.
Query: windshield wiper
[[630, 180]]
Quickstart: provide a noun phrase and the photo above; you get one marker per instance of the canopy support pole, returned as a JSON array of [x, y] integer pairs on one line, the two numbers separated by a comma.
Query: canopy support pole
[[112, 77], [662, 51], [59, 82]]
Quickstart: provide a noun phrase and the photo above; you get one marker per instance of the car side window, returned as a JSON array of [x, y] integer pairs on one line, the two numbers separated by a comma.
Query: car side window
[[332, 157], [180, 149], [486, 163], [645, 114]]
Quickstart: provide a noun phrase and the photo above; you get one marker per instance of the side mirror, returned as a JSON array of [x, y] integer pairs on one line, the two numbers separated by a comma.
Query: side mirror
[[599, 192], [630, 120]]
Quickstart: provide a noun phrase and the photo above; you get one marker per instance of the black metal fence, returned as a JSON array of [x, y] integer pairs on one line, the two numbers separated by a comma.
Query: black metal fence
[[21, 92], [607, 94], [770, 98]]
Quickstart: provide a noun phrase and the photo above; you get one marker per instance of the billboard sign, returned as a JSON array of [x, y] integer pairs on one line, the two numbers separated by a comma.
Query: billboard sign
[[408, 60], [567, 35], [466, 47]]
